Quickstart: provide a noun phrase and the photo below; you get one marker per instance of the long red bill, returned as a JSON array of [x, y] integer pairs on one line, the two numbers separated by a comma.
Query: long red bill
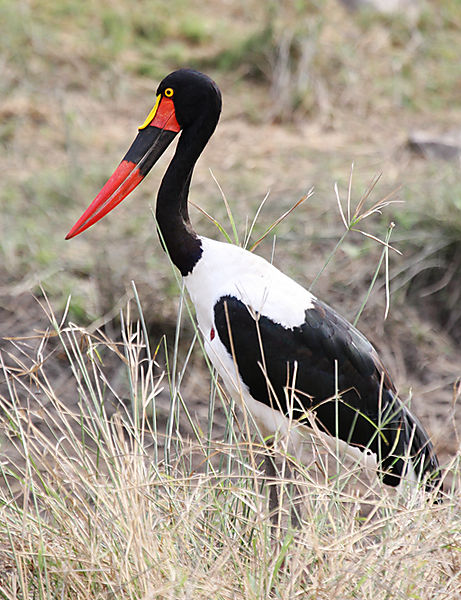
[[153, 138], [124, 179]]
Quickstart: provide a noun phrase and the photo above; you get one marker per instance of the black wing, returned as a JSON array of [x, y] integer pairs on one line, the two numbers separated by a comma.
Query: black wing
[[325, 358]]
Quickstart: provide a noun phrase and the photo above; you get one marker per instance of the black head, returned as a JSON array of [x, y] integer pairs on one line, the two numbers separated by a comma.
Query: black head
[[194, 95]]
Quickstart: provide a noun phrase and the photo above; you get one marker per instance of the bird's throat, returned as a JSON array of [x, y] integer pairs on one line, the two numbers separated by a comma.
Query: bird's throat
[[176, 233]]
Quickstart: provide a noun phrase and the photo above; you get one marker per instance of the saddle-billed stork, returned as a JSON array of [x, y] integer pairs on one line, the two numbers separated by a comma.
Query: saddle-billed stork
[[290, 356]]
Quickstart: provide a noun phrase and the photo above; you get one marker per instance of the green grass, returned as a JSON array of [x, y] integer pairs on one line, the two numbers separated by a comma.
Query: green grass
[[81, 77]]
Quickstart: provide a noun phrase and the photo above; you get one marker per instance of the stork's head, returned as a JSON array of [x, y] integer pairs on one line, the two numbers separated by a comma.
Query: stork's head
[[185, 98]]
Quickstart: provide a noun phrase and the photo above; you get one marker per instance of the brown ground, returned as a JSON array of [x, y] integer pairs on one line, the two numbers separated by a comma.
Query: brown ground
[[73, 125], [420, 354]]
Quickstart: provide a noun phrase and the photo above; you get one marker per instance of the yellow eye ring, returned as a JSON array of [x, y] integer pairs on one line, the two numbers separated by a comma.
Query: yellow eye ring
[[169, 92]]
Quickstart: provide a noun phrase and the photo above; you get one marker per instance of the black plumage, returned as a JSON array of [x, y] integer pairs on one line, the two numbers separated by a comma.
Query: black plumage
[[327, 366]]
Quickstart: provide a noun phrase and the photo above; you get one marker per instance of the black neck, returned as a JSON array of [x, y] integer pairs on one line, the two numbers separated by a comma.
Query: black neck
[[176, 231]]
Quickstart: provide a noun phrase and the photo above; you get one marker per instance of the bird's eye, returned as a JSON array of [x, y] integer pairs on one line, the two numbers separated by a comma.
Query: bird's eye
[[169, 92]]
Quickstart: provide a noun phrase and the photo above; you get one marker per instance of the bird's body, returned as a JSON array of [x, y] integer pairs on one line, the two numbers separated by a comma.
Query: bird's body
[[226, 276], [285, 353], [294, 361]]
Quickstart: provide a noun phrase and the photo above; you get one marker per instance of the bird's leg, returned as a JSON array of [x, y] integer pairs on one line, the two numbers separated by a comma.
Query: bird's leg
[[272, 477], [295, 495], [282, 487]]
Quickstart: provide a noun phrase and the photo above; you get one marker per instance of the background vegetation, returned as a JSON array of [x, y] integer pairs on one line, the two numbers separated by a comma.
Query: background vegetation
[[309, 88]]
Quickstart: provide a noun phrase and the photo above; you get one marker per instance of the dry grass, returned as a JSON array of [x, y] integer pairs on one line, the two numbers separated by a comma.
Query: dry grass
[[96, 508]]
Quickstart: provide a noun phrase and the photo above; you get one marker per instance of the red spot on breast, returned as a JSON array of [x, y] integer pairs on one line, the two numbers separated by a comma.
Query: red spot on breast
[[212, 334]]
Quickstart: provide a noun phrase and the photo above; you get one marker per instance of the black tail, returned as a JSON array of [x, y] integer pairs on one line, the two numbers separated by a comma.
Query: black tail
[[411, 444]]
